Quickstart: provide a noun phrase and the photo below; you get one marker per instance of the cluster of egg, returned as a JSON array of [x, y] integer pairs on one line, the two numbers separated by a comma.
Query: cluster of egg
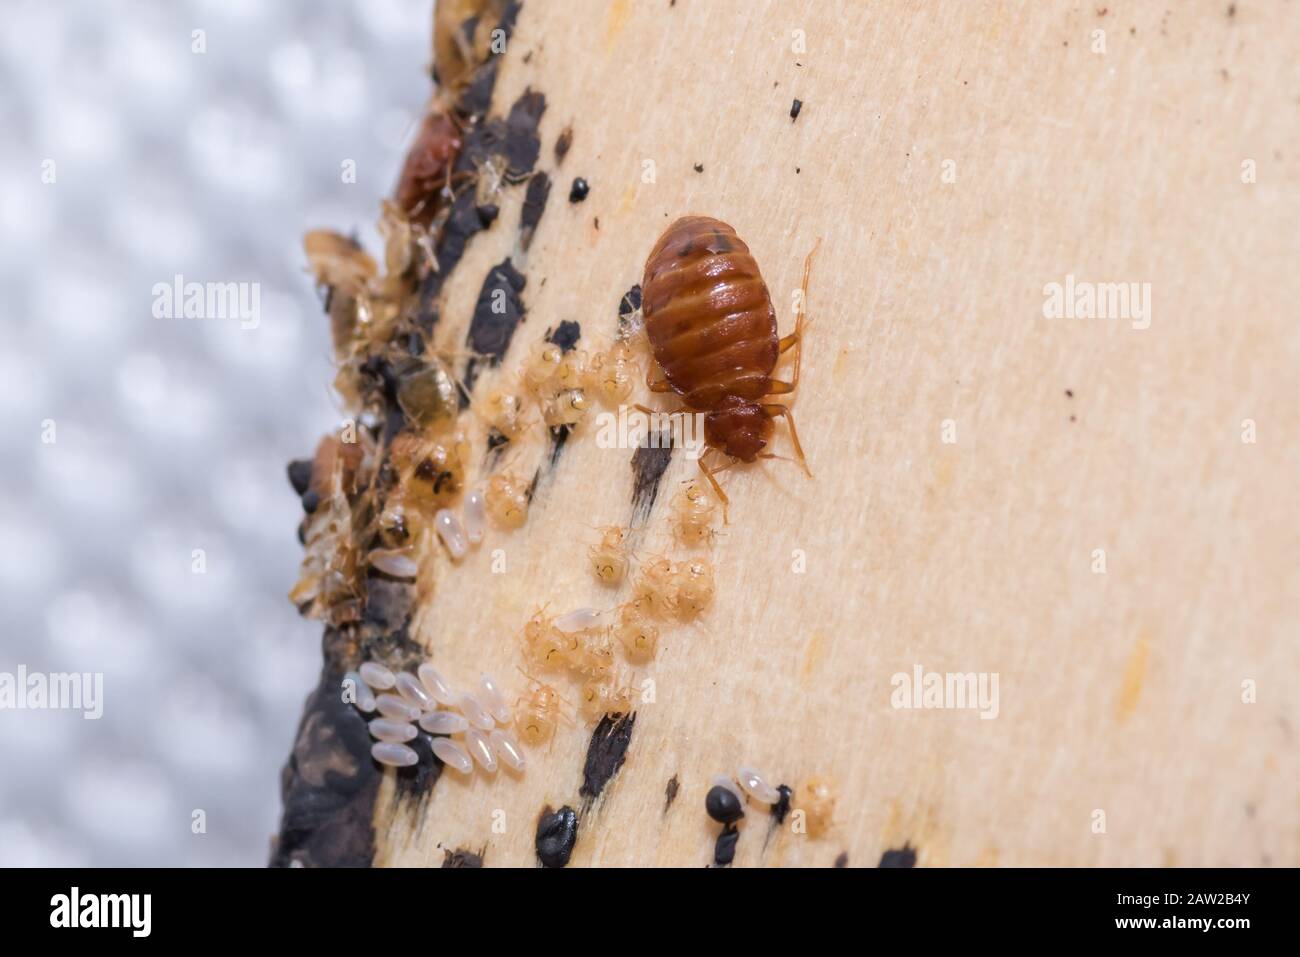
[[464, 724], [503, 498]]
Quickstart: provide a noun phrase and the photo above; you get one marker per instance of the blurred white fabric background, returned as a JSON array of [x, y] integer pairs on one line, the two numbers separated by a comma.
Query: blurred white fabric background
[[171, 434]]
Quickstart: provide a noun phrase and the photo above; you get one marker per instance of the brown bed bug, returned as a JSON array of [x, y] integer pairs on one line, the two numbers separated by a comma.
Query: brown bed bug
[[428, 167], [712, 328]]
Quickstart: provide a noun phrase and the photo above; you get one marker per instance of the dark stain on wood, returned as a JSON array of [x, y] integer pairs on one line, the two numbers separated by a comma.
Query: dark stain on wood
[[605, 754], [565, 335], [724, 849], [670, 792], [782, 806], [903, 857], [562, 145], [648, 466], [557, 832], [539, 190], [559, 436], [498, 311], [522, 144], [419, 778], [842, 860]]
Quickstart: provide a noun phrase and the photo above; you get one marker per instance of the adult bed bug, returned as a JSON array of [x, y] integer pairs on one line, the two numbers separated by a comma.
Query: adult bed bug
[[712, 328]]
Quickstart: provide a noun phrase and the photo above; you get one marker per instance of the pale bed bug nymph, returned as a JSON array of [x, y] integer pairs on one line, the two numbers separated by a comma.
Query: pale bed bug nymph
[[538, 713], [609, 558], [693, 514], [710, 323], [506, 498], [638, 636], [611, 374]]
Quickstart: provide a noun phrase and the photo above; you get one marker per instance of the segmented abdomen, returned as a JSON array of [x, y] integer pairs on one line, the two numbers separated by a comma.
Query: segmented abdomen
[[708, 314]]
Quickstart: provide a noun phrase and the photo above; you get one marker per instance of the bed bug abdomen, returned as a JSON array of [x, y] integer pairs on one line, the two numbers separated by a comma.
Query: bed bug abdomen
[[708, 314]]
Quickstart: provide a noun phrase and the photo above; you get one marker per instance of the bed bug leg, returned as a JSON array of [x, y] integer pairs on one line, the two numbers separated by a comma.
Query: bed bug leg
[[775, 410], [722, 496], [656, 385]]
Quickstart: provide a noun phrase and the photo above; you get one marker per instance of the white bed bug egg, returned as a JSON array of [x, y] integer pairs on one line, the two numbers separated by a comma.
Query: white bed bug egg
[[721, 780], [386, 729], [507, 749], [444, 722], [362, 696], [756, 786], [453, 754], [473, 709], [573, 622], [452, 533], [394, 755], [399, 709], [410, 688], [475, 515], [436, 685], [377, 676], [492, 698], [394, 561], [477, 744]]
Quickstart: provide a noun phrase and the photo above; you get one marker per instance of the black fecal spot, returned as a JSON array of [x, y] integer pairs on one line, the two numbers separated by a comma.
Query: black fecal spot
[[496, 440], [782, 806], [579, 190], [722, 804], [842, 860], [605, 754], [300, 475], [329, 784], [496, 314], [532, 486], [477, 96], [1069, 393], [670, 792], [649, 463], [724, 850], [699, 167], [415, 344], [627, 307], [906, 857], [522, 144], [557, 832], [539, 189], [559, 436], [565, 335], [487, 215], [562, 145], [795, 108], [302, 532], [420, 777], [461, 858], [310, 501]]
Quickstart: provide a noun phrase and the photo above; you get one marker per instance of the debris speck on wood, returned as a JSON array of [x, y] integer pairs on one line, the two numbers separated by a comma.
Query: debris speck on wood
[[578, 192], [795, 108]]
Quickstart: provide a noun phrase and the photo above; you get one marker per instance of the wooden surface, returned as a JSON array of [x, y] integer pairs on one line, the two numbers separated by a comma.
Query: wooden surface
[[1119, 691]]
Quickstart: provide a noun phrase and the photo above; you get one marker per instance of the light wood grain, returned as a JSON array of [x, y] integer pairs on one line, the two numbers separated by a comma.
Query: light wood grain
[[1120, 692]]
